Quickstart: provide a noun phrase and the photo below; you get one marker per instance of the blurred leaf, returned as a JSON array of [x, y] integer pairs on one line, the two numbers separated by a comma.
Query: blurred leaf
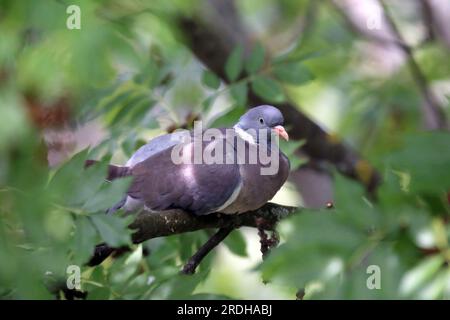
[[97, 287], [256, 59], [431, 60], [117, 99], [420, 275], [151, 74], [233, 65], [289, 149], [129, 145], [210, 80], [208, 296], [135, 257], [73, 184], [297, 161], [126, 109], [298, 56], [430, 167], [229, 118], [83, 243], [352, 206], [239, 93], [209, 102], [355, 282], [189, 243], [268, 89], [293, 73], [113, 229], [13, 123], [308, 255], [236, 243], [179, 286], [110, 193], [436, 289], [138, 113]]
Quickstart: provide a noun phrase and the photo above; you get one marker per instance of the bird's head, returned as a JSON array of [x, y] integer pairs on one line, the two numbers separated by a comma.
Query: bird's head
[[266, 119]]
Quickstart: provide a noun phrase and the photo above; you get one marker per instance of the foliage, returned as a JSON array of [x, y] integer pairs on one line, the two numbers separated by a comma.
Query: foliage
[[388, 232], [129, 70]]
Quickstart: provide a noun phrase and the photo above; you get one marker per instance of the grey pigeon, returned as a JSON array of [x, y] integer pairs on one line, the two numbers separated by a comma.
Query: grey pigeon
[[234, 185]]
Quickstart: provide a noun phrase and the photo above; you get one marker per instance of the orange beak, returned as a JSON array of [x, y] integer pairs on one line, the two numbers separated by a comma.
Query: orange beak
[[279, 130]]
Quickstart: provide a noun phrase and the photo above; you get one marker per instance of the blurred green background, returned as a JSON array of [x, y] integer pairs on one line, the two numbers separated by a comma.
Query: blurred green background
[[374, 75]]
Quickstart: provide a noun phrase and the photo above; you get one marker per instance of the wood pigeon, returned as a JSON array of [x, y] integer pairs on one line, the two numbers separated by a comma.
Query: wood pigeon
[[232, 180]]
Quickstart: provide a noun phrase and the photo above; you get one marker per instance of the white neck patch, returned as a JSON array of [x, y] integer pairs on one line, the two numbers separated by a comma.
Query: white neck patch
[[244, 135]]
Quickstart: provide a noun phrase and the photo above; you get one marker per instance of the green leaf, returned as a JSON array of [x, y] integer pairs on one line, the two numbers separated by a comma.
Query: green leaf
[[108, 195], [179, 286], [426, 157], [436, 288], [239, 93], [84, 240], [97, 286], [113, 229], [309, 255], [150, 74], [208, 103], [289, 148], [189, 243], [233, 65], [351, 204], [229, 118], [138, 112], [297, 162], [125, 111], [236, 243], [115, 100], [256, 59], [73, 184], [129, 145], [352, 283], [298, 56], [268, 89], [420, 275], [293, 73], [210, 80]]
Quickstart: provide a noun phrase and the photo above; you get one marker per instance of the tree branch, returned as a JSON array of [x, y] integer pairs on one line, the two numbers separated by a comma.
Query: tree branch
[[434, 116], [213, 38], [149, 225], [373, 35]]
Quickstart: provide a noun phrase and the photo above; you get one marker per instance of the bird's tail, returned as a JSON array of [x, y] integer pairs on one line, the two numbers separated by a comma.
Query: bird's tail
[[114, 172]]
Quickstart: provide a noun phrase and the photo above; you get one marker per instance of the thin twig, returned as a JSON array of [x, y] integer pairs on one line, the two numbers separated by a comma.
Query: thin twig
[[357, 29], [194, 261], [438, 119]]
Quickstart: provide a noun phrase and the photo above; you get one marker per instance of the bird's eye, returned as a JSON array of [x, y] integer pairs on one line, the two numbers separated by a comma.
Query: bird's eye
[[261, 120]]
